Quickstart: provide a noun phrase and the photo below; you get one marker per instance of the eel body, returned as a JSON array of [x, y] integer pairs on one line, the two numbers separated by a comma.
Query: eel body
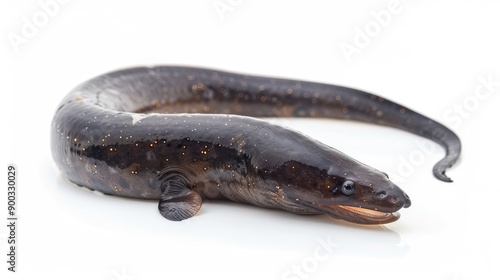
[[181, 135]]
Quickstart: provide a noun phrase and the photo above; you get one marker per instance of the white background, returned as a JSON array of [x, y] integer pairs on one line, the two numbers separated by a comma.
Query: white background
[[429, 55]]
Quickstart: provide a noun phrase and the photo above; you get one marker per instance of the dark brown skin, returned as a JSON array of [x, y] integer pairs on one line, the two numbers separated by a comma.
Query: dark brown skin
[[181, 134]]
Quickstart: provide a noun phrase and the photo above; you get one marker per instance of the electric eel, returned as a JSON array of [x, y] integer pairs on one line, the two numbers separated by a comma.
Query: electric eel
[[181, 135]]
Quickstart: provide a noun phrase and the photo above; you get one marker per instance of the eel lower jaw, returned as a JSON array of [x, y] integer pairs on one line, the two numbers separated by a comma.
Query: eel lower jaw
[[361, 215]]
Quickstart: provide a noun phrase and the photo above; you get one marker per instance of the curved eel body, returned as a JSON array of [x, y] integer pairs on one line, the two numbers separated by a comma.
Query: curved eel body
[[181, 135]]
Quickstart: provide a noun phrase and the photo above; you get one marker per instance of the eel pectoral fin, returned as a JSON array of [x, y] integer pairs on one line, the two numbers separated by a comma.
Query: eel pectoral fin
[[178, 202]]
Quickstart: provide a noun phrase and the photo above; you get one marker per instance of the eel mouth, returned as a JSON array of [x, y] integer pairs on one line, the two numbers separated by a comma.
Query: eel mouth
[[362, 215]]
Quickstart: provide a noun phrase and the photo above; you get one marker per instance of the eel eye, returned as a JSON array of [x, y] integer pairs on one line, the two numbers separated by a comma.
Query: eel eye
[[348, 187]]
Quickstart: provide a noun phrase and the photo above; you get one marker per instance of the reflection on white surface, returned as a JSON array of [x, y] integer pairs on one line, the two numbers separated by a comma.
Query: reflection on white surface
[[309, 241]]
